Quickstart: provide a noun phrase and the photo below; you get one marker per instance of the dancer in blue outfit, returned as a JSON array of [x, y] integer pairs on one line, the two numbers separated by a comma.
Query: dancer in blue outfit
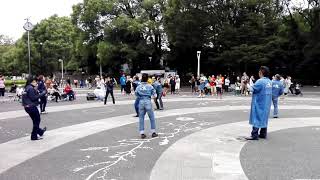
[[260, 105]]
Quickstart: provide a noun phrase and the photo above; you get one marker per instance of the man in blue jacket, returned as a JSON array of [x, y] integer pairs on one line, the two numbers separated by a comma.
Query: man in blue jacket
[[260, 105], [123, 81], [277, 91], [158, 87], [145, 92]]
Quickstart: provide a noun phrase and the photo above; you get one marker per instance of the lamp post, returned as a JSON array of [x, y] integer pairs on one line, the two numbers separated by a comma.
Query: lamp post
[[41, 60], [28, 27], [198, 56], [60, 60]]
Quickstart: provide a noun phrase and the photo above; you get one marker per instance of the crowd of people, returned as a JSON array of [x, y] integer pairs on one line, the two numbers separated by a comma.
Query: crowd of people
[[217, 85]]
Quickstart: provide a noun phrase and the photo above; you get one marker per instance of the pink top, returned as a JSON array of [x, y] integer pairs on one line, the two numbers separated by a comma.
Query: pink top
[[2, 83]]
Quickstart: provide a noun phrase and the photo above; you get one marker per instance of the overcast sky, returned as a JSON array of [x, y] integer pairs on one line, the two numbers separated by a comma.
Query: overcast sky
[[13, 13]]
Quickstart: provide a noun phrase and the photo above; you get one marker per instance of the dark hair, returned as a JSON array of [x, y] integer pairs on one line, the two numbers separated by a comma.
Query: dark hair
[[265, 71], [278, 77], [137, 78], [144, 78], [30, 79], [40, 77]]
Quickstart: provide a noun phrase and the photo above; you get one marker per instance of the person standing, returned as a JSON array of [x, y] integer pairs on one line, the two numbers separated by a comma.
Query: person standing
[[145, 92], [123, 82], [30, 101], [173, 84], [193, 84], [109, 83], [43, 99], [158, 87], [219, 86], [178, 84], [2, 86], [244, 82], [226, 84], [212, 85], [260, 105], [277, 91]]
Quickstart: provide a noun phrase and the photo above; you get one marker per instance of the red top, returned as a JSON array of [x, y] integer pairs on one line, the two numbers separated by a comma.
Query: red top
[[67, 89], [213, 82]]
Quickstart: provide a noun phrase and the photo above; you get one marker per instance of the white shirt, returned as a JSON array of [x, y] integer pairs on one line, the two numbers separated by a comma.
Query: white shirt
[[227, 82]]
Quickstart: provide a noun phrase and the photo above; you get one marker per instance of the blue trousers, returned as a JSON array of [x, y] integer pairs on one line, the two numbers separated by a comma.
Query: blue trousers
[[145, 106], [275, 105]]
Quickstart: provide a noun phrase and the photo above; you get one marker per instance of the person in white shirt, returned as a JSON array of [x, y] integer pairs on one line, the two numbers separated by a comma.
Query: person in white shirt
[[226, 84], [219, 86], [177, 84]]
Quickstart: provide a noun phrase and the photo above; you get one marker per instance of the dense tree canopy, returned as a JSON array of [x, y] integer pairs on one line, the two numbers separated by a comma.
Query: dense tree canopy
[[233, 35]]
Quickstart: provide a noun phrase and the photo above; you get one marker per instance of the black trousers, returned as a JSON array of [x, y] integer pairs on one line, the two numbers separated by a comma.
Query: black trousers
[[107, 94], [57, 96], [255, 132], [43, 103], [2, 90], [35, 116]]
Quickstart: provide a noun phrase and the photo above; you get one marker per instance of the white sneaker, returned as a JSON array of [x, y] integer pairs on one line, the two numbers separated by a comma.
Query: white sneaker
[[44, 112]]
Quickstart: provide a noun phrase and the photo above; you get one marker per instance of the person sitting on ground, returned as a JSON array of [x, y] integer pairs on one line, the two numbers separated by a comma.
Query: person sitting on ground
[[69, 92]]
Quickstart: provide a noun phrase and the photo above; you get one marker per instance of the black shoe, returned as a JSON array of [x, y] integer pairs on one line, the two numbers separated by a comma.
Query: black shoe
[[143, 136], [43, 130], [251, 138], [262, 137], [36, 139], [154, 135], [136, 116]]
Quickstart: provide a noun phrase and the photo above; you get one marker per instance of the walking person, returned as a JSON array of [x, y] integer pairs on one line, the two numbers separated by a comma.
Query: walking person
[[43, 99], [109, 84], [145, 92], [30, 101], [277, 91], [260, 105], [2, 86], [158, 100]]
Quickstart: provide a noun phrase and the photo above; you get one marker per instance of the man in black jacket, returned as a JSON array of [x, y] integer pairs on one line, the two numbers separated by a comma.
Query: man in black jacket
[[109, 83]]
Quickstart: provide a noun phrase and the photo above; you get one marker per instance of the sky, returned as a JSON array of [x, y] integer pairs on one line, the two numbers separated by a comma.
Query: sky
[[14, 12]]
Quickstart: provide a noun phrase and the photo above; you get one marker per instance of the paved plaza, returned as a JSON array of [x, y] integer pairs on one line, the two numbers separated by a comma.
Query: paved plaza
[[199, 139]]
